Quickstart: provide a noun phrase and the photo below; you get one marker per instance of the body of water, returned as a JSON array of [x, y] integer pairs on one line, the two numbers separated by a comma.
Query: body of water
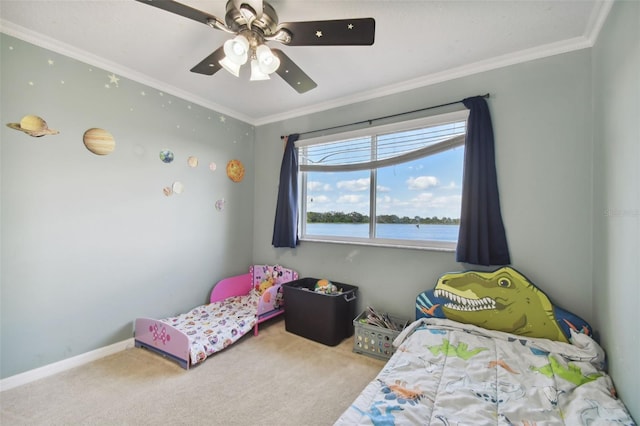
[[386, 230]]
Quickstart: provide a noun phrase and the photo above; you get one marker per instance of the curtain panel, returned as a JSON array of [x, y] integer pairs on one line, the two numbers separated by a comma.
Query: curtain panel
[[285, 227], [481, 239]]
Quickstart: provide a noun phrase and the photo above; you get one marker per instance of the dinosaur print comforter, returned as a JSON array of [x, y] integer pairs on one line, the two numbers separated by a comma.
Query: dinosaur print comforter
[[448, 373]]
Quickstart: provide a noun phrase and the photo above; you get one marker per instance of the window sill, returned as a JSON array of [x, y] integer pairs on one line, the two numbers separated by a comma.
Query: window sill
[[439, 246]]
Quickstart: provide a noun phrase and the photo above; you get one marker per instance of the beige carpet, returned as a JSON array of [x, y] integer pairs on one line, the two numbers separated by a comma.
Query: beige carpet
[[276, 378]]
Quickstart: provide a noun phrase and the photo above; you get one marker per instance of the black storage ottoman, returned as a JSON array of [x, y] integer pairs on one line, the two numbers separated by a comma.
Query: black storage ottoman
[[324, 318]]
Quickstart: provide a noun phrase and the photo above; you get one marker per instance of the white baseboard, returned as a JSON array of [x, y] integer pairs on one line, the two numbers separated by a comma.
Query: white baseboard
[[66, 364]]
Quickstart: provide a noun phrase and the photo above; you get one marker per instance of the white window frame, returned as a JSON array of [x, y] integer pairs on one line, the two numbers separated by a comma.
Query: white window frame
[[403, 126]]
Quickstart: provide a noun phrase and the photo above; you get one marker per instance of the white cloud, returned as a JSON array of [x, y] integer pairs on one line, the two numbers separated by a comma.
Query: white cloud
[[452, 185], [354, 185], [447, 202], [422, 182], [318, 199], [423, 197], [350, 199], [423, 204], [318, 186], [426, 202], [383, 188]]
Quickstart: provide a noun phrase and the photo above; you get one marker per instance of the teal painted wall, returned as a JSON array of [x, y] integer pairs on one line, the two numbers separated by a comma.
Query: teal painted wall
[[568, 154], [616, 160], [542, 117], [91, 242], [99, 230]]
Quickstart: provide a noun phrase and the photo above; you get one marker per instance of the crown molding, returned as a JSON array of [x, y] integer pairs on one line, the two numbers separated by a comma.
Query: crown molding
[[527, 55], [596, 21], [48, 43], [598, 16]]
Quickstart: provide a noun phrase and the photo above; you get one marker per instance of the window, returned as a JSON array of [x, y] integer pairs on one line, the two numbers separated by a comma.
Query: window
[[394, 185]]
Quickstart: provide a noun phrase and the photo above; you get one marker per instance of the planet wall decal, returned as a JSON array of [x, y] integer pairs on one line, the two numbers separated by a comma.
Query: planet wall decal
[[235, 170], [99, 141], [33, 126], [166, 156], [177, 187], [192, 161]]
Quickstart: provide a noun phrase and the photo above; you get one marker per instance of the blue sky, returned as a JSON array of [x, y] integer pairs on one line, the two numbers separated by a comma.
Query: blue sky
[[427, 187]]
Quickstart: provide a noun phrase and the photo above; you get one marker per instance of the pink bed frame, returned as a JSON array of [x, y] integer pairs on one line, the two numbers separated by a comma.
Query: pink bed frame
[[162, 338]]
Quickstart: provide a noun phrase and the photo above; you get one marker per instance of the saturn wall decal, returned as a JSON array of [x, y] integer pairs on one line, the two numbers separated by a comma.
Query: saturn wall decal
[[33, 126]]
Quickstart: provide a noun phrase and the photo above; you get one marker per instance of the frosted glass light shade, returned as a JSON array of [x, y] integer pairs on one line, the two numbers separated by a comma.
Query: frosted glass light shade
[[237, 49], [267, 61], [256, 72], [231, 66]]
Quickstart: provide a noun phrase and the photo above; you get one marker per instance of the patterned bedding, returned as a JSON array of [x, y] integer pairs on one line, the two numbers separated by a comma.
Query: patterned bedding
[[215, 326], [448, 373]]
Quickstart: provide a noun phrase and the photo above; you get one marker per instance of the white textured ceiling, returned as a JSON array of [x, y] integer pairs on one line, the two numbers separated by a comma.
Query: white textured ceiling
[[416, 43]]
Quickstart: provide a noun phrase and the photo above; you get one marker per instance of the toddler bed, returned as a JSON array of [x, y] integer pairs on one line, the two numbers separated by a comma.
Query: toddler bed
[[489, 348], [237, 304]]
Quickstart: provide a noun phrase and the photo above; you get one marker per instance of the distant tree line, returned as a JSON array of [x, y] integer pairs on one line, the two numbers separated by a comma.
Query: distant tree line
[[355, 217]]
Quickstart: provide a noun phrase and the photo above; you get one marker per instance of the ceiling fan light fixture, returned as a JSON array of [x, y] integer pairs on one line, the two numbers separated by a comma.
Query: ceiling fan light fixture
[[267, 61], [256, 72], [231, 66], [237, 49], [254, 22]]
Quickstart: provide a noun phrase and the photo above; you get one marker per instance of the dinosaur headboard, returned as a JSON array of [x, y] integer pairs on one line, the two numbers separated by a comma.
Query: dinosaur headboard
[[502, 300]]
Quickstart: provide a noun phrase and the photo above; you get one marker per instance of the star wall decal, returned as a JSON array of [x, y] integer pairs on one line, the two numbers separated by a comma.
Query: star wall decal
[[318, 34], [114, 80], [350, 26]]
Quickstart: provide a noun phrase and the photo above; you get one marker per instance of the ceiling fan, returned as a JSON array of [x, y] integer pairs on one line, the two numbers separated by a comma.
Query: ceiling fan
[[255, 22]]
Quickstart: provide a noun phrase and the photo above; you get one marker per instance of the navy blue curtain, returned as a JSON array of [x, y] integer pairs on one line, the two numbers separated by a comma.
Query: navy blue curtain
[[285, 228], [482, 239]]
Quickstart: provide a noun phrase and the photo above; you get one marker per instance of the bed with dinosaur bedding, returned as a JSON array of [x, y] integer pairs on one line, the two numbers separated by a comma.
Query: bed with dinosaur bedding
[[490, 348], [236, 305]]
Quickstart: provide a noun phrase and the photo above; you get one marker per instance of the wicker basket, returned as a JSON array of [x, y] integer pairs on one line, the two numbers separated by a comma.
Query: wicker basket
[[374, 341]]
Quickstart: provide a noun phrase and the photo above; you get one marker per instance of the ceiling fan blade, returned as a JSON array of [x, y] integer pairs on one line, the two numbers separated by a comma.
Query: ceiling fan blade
[[292, 74], [210, 65], [184, 10], [340, 32]]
